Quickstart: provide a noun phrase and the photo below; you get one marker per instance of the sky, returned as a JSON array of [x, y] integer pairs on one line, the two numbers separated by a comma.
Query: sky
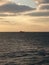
[[24, 15]]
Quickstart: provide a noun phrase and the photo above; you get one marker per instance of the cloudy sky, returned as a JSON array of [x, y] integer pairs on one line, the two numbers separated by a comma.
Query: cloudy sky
[[24, 15]]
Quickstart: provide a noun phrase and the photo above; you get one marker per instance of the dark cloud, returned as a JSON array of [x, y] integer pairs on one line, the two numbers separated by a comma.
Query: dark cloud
[[45, 1], [14, 8], [39, 13]]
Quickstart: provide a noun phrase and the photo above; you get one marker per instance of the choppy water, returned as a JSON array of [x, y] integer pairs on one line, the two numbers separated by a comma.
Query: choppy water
[[24, 48]]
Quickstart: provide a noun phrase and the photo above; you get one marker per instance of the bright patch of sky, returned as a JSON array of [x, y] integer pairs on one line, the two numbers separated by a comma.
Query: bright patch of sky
[[29, 3]]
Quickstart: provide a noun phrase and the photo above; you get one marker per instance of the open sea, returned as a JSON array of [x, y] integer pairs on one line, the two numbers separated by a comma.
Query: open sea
[[24, 48]]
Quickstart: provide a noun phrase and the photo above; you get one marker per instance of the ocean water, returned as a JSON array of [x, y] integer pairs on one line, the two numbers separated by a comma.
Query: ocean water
[[24, 48]]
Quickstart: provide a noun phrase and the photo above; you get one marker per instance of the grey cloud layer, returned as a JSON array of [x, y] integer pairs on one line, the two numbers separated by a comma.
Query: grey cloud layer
[[38, 14], [14, 8]]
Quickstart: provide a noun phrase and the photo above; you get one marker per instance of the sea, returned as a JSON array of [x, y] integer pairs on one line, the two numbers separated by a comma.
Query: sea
[[24, 48]]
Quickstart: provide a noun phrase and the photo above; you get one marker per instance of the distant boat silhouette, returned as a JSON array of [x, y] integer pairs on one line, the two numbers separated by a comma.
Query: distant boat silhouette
[[22, 31]]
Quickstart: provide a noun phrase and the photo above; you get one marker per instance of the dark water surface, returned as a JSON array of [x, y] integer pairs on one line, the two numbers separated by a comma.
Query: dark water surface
[[22, 48]]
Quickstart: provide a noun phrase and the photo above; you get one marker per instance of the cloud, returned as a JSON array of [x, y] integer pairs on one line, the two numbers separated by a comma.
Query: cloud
[[42, 1], [14, 8], [42, 4], [2, 14], [39, 13], [43, 7], [45, 1], [42, 10]]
